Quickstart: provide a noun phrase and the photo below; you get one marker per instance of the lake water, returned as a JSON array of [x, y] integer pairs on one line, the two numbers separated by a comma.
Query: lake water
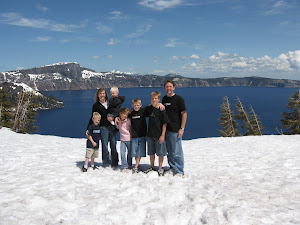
[[203, 106]]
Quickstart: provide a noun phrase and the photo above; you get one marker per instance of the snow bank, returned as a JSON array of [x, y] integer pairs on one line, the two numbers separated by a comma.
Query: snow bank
[[244, 180]]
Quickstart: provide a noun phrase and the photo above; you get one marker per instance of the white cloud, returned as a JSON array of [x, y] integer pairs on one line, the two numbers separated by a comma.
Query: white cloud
[[41, 39], [117, 15], [277, 7], [194, 56], [140, 31], [224, 64], [41, 8], [160, 4], [174, 57], [18, 20], [96, 57], [113, 41], [159, 72], [103, 28], [109, 56], [172, 42]]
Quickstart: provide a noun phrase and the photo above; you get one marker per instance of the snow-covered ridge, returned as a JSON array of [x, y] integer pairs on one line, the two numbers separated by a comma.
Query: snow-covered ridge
[[60, 64], [88, 74], [230, 181], [26, 88]]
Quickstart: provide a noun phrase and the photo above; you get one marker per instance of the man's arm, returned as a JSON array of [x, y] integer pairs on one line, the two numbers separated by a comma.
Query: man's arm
[[183, 122]]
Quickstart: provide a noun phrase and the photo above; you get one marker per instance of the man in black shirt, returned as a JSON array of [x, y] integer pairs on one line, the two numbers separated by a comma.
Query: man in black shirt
[[176, 111]]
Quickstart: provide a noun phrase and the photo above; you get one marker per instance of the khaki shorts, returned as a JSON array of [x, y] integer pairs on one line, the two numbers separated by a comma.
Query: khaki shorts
[[91, 153]]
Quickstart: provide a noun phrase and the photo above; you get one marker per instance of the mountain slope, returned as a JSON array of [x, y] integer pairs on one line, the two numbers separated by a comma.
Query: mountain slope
[[71, 76]]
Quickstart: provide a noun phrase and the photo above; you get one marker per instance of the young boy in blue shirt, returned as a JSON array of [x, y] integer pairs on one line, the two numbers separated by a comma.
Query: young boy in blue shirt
[[92, 144]]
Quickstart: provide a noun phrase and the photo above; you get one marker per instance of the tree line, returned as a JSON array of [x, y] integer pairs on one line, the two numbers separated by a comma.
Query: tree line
[[251, 123]]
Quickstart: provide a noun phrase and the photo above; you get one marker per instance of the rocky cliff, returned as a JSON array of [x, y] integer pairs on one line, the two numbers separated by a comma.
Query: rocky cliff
[[42, 101], [71, 76]]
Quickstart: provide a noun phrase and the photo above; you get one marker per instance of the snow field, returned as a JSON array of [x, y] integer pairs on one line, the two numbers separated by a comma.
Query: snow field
[[244, 180]]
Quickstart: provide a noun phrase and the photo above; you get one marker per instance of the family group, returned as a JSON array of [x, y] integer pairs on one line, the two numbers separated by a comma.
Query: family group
[[162, 135]]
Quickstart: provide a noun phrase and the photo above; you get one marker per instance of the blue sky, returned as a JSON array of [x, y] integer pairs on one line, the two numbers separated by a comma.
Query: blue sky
[[193, 38]]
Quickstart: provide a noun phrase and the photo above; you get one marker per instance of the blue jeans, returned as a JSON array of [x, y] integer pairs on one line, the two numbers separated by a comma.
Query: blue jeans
[[108, 134], [155, 147], [138, 147], [175, 152], [126, 161]]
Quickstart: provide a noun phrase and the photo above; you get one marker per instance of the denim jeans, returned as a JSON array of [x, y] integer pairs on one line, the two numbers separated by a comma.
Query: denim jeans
[[175, 152], [108, 134], [126, 161]]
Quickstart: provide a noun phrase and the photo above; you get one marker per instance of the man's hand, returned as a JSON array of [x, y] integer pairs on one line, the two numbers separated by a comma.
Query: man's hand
[[180, 133]]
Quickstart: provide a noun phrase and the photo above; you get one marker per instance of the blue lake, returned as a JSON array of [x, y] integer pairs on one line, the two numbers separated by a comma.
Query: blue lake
[[203, 105]]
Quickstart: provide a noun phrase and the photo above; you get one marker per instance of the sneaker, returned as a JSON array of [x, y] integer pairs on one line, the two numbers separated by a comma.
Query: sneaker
[[149, 170], [135, 170], [179, 175], [160, 172], [83, 169], [95, 168], [115, 168]]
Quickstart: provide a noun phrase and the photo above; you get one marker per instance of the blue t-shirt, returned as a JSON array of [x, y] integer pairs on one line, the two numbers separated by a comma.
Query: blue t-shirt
[[94, 131]]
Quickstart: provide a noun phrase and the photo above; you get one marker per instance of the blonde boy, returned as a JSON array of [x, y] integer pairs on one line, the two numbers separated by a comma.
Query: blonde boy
[[138, 133], [114, 104], [156, 132], [92, 144]]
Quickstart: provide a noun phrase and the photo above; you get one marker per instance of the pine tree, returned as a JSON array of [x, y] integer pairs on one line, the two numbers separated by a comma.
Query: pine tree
[[25, 114], [6, 115], [242, 115], [227, 120], [291, 120], [256, 126]]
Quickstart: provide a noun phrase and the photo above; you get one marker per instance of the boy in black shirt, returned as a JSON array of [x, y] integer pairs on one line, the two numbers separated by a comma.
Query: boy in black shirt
[[92, 144], [156, 132], [138, 133]]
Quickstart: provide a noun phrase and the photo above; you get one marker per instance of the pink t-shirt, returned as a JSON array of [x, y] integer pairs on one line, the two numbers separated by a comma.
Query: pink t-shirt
[[124, 128]]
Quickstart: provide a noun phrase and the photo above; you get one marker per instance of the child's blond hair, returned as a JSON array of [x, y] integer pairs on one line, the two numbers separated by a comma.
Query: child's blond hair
[[137, 100], [96, 115], [155, 93], [114, 89]]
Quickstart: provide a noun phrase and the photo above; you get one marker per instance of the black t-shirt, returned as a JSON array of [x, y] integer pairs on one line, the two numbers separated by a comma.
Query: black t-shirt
[[94, 131], [174, 106], [138, 123], [98, 107], [157, 119]]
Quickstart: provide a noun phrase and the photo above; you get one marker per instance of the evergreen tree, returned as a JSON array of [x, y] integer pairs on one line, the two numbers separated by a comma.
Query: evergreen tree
[[227, 120], [25, 114], [291, 120], [251, 123], [6, 115], [256, 126], [242, 115]]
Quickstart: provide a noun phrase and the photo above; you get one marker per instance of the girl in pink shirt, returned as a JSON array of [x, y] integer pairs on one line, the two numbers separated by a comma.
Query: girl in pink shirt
[[124, 126]]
